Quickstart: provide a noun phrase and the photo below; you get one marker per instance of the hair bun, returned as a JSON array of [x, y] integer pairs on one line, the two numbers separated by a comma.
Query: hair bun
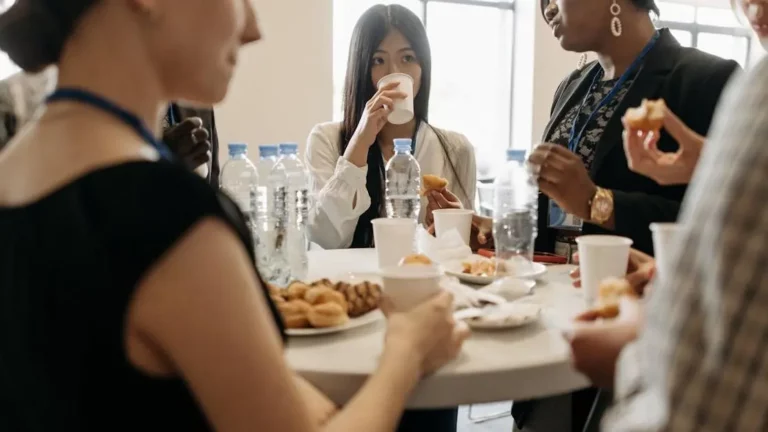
[[30, 35]]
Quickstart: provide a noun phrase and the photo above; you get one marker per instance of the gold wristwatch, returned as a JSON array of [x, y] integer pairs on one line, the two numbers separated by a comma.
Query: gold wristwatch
[[601, 206]]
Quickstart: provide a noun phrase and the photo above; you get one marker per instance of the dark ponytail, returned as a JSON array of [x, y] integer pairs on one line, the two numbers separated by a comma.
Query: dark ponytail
[[33, 32]]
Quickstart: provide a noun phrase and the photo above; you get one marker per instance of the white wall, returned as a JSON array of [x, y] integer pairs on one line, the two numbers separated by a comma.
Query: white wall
[[284, 84]]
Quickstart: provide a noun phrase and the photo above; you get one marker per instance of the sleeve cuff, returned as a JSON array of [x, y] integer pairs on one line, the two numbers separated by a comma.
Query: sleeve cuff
[[351, 173]]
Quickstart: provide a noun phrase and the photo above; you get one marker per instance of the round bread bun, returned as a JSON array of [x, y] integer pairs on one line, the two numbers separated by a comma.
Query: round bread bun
[[273, 290], [296, 290], [294, 313], [415, 259], [649, 116], [609, 296], [277, 298], [327, 315], [432, 182], [611, 290], [322, 295], [322, 283]]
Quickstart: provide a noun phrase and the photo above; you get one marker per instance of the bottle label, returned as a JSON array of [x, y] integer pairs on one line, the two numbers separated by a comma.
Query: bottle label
[[558, 218]]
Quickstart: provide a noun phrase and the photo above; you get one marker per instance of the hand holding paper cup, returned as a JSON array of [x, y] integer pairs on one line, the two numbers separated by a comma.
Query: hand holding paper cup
[[410, 285], [601, 257], [402, 112]]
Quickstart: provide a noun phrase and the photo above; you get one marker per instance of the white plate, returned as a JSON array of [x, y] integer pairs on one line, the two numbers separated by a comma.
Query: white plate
[[506, 316], [454, 268], [353, 323]]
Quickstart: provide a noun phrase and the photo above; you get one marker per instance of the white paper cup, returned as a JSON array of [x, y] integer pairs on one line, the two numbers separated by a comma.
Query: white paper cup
[[601, 257], [394, 239], [410, 285], [664, 237], [448, 219], [402, 112]]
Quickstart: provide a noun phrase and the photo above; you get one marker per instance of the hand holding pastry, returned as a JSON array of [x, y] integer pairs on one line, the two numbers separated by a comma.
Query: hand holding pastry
[[644, 156], [640, 270], [610, 294]]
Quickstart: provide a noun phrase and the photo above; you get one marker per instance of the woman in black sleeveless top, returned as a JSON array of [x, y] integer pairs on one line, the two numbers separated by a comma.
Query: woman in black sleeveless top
[[128, 295]]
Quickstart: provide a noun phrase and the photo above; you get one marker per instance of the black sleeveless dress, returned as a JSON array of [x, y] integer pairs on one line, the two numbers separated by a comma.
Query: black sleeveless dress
[[69, 266]]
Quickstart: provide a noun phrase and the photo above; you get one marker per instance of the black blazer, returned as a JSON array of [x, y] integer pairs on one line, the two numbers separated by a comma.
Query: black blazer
[[690, 82], [183, 112]]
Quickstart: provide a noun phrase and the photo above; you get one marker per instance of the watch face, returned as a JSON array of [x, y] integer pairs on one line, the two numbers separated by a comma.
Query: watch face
[[603, 205]]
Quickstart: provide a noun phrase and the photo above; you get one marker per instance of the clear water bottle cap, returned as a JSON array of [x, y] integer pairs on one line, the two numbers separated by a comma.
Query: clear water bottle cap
[[268, 150], [289, 148], [238, 149], [515, 155], [403, 144]]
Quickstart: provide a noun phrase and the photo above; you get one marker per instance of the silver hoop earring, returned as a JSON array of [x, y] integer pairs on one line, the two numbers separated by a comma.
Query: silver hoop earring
[[582, 61], [615, 21]]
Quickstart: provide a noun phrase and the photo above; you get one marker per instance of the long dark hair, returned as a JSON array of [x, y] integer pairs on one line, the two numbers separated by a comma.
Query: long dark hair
[[374, 25]]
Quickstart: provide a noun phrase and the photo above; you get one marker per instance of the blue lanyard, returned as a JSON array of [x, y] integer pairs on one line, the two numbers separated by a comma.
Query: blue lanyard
[[575, 138], [103, 104], [171, 117]]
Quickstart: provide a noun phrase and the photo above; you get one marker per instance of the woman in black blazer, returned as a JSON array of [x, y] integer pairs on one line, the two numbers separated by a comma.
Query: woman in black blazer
[[582, 168], [591, 180]]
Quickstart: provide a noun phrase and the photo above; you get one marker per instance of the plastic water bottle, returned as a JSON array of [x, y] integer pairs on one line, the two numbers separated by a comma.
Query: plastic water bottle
[[515, 211], [267, 160], [264, 224], [240, 180], [289, 181], [403, 179]]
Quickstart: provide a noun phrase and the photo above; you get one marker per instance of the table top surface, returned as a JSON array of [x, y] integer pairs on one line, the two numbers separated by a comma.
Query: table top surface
[[514, 364]]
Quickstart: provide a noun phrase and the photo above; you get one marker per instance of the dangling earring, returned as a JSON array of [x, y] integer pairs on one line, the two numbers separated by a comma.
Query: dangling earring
[[615, 21], [582, 61]]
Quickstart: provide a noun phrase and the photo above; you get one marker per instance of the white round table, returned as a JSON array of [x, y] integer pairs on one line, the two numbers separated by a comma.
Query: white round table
[[517, 364]]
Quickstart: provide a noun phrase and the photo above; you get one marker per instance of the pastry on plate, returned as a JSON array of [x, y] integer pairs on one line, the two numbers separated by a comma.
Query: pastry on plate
[[274, 290], [295, 313], [431, 182], [296, 290], [609, 296], [649, 116], [484, 268], [415, 259], [361, 298], [327, 315], [322, 283], [321, 295]]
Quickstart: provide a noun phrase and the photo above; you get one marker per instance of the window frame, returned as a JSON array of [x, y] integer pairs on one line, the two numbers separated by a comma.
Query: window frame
[[508, 5], [695, 28]]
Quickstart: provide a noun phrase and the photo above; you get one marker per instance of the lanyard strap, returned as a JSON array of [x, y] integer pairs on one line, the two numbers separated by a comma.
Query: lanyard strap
[[171, 116], [109, 107], [576, 137]]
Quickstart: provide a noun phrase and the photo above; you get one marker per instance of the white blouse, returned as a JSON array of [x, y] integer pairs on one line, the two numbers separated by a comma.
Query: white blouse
[[338, 186]]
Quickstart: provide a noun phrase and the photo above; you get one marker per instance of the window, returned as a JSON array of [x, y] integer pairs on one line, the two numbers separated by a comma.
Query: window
[[7, 68], [715, 30], [471, 68]]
